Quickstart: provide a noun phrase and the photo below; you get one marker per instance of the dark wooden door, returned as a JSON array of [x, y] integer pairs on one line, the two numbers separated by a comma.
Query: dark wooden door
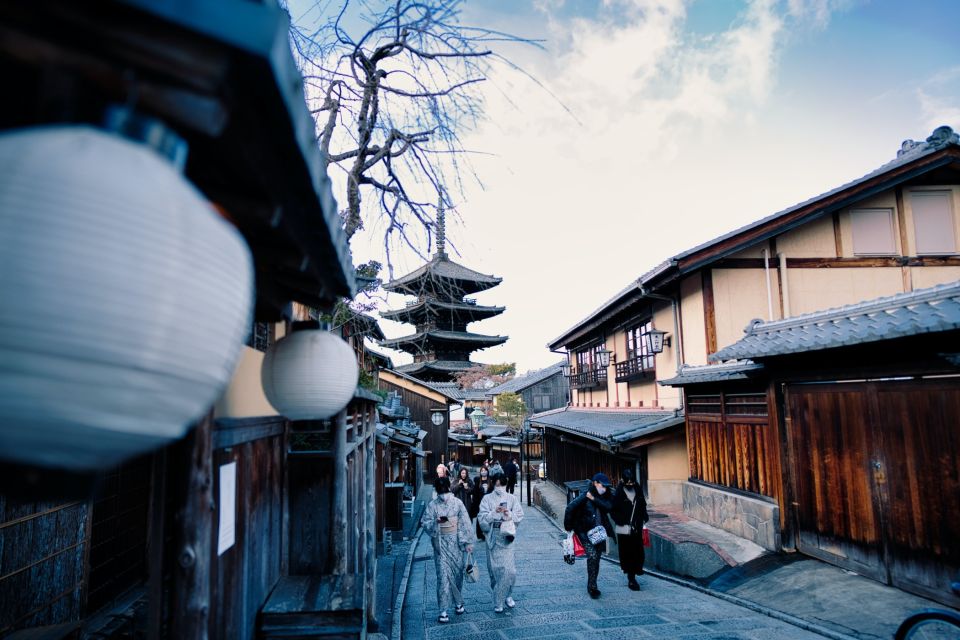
[[877, 481]]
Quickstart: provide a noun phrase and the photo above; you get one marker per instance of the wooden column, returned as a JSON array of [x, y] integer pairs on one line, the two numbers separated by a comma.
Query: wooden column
[[339, 537], [191, 607], [370, 451]]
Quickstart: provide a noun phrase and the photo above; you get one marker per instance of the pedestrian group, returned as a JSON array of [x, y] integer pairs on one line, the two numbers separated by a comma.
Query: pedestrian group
[[464, 511]]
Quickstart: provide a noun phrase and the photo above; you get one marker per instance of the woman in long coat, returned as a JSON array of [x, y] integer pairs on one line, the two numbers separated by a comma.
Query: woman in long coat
[[447, 523], [496, 509], [462, 487], [481, 487], [629, 512]]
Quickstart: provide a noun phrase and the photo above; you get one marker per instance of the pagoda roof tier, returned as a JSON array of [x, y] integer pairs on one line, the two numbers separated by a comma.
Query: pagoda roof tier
[[415, 312], [445, 367], [464, 339], [441, 274]]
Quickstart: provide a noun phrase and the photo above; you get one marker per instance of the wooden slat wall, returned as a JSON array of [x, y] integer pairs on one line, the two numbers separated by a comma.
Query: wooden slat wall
[[730, 442], [42, 551], [578, 459], [420, 411]]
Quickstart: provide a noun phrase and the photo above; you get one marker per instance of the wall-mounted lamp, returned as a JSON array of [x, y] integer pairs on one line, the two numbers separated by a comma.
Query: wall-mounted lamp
[[604, 356], [656, 339], [565, 369]]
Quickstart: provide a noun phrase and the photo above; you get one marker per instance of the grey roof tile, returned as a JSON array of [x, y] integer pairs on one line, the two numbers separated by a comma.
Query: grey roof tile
[[930, 310], [608, 426], [527, 380], [698, 374]]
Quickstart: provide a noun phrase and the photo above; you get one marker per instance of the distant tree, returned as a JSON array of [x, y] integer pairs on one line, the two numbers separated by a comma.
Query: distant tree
[[510, 409], [485, 376]]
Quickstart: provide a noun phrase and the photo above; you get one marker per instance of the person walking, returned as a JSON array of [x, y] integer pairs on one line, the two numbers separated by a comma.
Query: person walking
[[500, 513], [481, 487], [496, 469], [585, 513], [512, 470], [462, 487], [629, 512], [447, 523]]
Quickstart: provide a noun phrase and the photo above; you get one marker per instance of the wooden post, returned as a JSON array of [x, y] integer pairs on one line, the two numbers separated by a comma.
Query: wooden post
[[157, 520], [370, 448], [339, 537], [191, 608]]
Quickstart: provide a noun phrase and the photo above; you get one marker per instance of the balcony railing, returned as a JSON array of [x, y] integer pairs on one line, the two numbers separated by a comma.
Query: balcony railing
[[588, 379], [635, 368]]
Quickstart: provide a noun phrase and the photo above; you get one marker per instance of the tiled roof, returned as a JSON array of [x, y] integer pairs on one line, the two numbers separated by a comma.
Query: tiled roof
[[472, 310], [527, 380], [450, 336], [435, 365], [929, 310], [433, 386], [608, 426], [442, 267], [493, 430], [697, 374]]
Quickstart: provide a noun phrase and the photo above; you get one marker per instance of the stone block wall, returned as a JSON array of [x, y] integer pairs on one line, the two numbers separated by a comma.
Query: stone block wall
[[751, 518]]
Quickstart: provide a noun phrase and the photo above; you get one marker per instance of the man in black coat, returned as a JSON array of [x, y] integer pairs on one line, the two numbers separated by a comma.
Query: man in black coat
[[629, 513], [511, 470], [586, 512]]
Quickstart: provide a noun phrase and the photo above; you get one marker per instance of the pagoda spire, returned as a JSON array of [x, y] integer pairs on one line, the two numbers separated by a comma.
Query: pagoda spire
[[441, 229]]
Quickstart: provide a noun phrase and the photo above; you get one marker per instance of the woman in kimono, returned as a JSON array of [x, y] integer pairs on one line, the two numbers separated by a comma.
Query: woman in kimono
[[500, 513], [447, 522]]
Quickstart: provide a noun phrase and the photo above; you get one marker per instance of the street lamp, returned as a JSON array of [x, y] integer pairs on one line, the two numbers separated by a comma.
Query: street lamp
[[604, 356], [565, 369], [656, 339], [526, 445]]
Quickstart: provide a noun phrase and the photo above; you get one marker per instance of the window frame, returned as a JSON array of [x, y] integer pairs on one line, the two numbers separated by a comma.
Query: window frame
[[948, 192], [891, 218]]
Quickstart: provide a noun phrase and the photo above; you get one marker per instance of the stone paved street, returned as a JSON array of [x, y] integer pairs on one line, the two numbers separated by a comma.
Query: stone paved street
[[552, 602]]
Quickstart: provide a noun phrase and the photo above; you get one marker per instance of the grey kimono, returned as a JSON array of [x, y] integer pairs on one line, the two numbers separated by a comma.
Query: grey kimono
[[449, 540], [500, 558]]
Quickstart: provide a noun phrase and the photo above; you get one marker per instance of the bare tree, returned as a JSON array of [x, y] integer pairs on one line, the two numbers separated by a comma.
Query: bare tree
[[393, 86]]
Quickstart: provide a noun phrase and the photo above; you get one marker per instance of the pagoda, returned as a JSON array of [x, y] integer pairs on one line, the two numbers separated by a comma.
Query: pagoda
[[441, 345]]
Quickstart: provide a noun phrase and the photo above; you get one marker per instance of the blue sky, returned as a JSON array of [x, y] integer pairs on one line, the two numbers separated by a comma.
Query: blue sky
[[692, 118]]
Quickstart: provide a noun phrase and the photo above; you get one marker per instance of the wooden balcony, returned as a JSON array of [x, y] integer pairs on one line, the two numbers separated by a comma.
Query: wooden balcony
[[635, 369], [589, 379]]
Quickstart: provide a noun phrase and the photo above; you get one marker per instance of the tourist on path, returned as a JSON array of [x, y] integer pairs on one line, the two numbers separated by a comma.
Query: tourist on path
[[447, 523], [512, 470], [629, 512], [481, 487], [586, 512], [500, 512], [496, 469], [462, 487]]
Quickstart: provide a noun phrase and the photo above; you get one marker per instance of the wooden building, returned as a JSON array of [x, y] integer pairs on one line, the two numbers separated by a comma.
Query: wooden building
[[429, 409], [224, 533], [541, 390], [857, 442]]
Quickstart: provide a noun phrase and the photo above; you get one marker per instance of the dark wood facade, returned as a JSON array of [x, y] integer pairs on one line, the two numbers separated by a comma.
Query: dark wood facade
[[570, 458], [551, 393], [423, 404]]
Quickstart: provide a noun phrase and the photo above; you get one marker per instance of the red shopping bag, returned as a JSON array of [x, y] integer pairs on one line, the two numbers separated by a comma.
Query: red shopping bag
[[578, 550], [646, 537]]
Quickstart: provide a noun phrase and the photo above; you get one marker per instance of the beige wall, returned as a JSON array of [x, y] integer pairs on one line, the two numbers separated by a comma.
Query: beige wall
[[244, 396], [691, 312], [885, 200], [739, 296], [929, 276], [813, 240], [819, 289], [667, 459]]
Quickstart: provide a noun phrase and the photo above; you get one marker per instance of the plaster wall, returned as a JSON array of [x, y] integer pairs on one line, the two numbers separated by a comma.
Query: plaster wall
[[929, 276], [666, 362], [819, 289], [815, 239], [244, 397], [667, 458], [693, 327], [740, 295]]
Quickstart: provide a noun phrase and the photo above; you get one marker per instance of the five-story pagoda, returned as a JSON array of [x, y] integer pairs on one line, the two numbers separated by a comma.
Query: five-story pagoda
[[441, 345]]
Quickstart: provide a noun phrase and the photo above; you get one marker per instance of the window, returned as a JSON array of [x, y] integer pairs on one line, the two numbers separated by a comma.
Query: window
[[541, 403], [587, 358], [933, 222], [873, 232], [638, 347]]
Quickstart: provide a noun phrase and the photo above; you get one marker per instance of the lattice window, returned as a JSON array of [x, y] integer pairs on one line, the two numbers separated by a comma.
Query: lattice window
[[710, 405]]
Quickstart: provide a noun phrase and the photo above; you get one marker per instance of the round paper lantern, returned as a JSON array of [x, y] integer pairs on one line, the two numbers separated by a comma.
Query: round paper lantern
[[124, 299], [309, 375]]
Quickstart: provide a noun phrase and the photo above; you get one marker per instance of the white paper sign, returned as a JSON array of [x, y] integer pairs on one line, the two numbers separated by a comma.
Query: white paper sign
[[228, 507]]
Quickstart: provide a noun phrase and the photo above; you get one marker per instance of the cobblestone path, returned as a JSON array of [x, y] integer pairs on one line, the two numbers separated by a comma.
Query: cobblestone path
[[552, 602]]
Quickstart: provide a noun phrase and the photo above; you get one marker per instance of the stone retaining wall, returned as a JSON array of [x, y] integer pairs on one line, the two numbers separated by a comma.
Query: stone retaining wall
[[751, 518]]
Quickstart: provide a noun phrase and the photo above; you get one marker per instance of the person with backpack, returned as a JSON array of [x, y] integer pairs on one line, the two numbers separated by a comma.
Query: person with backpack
[[586, 517], [629, 513]]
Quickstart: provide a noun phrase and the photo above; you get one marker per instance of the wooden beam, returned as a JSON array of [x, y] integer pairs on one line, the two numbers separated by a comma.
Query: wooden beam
[[837, 235], [709, 311], [338, 552]]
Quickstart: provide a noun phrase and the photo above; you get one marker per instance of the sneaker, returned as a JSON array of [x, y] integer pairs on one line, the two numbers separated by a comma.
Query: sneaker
[[511, 603], [498, 609], [444, 618], [594, 593], [460, 610]]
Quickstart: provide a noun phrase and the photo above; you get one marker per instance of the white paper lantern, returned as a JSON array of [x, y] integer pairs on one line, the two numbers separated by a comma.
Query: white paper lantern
[[124, 299], [309, 375]]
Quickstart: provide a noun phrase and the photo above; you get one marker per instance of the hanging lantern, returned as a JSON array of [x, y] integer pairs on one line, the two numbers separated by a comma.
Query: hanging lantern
[[124, 299], [310, 374]]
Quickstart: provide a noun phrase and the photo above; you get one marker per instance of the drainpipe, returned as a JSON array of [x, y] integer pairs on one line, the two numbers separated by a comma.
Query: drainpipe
[[676, 328], [784, 285], [766, 271]]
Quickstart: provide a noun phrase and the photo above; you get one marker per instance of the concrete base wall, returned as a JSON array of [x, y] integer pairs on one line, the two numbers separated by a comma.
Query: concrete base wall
[[665, 492], [750, 518]]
